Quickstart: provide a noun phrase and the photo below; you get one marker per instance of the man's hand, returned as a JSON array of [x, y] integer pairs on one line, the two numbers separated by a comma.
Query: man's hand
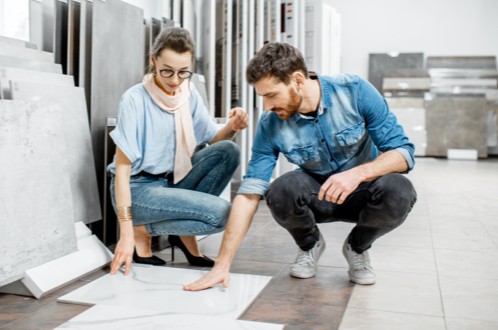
[[238, 119], [339, 186], [216, 276]]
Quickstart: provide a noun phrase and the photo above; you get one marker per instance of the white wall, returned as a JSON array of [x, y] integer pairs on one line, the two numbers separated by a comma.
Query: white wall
[[434, 27]]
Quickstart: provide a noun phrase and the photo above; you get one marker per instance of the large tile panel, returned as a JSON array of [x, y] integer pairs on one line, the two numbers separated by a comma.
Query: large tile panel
[[35, 193]]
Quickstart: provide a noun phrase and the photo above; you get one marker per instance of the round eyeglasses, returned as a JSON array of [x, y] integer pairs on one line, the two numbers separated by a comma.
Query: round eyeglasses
[[182, 74]]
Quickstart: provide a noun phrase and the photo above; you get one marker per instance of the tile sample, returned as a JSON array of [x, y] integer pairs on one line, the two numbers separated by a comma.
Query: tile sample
[[110, 81], [83, 179], [161, 289], [92, 254], [7, 74], [380, 63], [462, 62], [21, 63], [111, 317], [456, 122], [26, 53], [35, 194]]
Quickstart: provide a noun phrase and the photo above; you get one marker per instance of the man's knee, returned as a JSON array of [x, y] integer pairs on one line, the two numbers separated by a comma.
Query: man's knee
[[398, 193]]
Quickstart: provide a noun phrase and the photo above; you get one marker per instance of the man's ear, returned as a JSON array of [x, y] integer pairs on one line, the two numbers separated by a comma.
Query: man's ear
[[298, 78]]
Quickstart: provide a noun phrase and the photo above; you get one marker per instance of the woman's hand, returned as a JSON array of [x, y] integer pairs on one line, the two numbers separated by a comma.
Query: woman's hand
[[123, 254]]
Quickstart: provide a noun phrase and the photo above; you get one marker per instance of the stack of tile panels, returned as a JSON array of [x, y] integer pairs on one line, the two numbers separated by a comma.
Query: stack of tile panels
[[463, 82]]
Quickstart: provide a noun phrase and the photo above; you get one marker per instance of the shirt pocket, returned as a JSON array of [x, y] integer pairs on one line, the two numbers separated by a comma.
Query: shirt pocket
[[351, 139], [306, 157]]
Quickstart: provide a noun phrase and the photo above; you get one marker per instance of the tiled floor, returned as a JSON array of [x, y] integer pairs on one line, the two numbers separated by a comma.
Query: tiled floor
[[439, 270]]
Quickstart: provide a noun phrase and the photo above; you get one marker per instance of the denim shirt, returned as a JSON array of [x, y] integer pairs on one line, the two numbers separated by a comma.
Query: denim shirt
[[353, 127]]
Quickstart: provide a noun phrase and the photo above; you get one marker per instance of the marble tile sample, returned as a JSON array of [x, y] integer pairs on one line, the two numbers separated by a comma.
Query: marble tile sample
[[161, 289], [107, 84], [380, 63], [21, 63], [104, 317], [463, 73], [456, 122], [92, 254], [8, 74], [406, 83], [26, 53], [35, 195], [413, 121], [462, 62], [83, 179], [16, 42]]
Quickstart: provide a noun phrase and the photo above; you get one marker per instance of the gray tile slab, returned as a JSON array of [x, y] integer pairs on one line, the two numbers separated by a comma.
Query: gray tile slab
[[27, 64], [49, 78], [110, 79], [380, 63], [35, 194], [456, 122], [84, 191], [26, 53], [406, 83], [462, 62], [463, 73]]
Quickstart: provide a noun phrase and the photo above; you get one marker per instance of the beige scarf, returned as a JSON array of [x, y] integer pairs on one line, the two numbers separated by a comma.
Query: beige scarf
[[179, 105]]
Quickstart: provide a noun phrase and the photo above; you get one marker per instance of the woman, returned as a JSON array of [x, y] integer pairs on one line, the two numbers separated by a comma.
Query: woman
[[160, 183]]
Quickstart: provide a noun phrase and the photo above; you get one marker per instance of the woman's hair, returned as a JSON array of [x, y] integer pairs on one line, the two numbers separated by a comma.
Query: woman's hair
[[277, 60], [175, 38]]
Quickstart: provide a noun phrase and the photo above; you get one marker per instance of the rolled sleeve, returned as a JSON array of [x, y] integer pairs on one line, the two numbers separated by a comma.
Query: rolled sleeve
[[253, 186], [410, 160]]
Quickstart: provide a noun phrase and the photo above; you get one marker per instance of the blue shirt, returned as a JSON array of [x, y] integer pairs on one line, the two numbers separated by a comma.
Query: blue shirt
[[353, 127], [146, 134]]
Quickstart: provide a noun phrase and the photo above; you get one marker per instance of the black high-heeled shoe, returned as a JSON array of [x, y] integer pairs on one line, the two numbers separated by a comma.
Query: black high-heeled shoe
[[193, 260], [155, 261]]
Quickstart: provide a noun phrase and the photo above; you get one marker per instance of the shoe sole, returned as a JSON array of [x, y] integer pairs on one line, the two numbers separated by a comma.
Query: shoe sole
[[361, 281]]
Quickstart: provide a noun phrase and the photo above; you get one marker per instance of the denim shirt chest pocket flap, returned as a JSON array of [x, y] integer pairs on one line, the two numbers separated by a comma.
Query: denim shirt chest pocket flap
[[351, 135], [349, 139], [306, 157]]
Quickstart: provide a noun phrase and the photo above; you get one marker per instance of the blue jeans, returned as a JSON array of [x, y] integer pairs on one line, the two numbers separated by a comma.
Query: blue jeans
[[377, 207], [190, 207]]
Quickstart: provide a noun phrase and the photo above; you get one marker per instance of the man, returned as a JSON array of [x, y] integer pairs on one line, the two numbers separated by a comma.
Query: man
[[349, 149]]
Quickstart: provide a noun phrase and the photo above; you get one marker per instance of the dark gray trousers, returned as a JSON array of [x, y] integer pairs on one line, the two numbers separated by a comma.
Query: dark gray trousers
[[377, 207]]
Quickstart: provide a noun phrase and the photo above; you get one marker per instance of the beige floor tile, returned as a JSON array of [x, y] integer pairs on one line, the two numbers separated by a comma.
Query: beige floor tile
[[361, 319], [462, 263], [399, 292], [463, 324], [470, 298]]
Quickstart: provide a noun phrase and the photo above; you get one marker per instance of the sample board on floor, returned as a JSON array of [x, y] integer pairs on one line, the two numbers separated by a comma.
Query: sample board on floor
[[105, 317], [161, 289]]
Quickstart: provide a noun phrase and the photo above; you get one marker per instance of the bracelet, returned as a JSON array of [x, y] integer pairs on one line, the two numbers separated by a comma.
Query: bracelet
[[124, 213]]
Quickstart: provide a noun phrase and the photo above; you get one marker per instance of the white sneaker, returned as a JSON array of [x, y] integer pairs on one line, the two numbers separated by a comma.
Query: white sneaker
[[360, 270], [306, 262]]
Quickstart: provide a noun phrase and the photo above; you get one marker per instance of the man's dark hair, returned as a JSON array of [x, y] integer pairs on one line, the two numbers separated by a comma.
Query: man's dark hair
[[276, 59]]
